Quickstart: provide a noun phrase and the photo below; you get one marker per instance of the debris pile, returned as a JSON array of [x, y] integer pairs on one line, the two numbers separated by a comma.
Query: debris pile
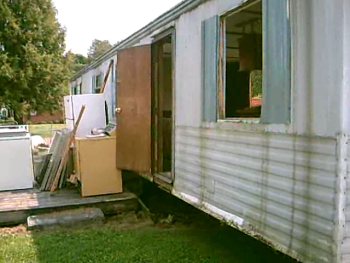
[[49, 164], [54, 168]]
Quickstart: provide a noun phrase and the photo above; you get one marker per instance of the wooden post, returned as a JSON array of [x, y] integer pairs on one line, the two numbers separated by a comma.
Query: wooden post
[[66, 150], [106, 77]]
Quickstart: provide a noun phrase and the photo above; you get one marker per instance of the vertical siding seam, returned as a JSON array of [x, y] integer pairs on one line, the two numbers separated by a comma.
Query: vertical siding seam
[[341, 174], [294, 178], [198, 183]]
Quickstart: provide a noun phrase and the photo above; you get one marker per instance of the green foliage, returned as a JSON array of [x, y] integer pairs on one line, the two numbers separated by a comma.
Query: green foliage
[[77, 62], [98, 47], [80, 59], [45, 130], [8, 121], [256, 76], [33, 69]]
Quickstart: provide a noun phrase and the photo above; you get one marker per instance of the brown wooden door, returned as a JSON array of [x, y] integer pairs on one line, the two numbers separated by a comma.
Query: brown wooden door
[[134, 104]]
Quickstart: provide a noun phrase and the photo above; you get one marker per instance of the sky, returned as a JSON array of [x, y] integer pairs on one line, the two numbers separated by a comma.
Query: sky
[[113, 20]]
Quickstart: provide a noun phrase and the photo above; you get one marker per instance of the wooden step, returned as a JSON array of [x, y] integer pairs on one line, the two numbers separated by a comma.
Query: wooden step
[[16, 206]]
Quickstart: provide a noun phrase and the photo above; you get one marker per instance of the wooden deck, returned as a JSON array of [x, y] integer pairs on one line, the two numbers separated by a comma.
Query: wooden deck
[[16, 206]]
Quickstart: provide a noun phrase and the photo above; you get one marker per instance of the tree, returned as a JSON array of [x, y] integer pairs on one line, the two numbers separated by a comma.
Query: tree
[[256, 83], [98, 47], [33, 68], [77, 62]]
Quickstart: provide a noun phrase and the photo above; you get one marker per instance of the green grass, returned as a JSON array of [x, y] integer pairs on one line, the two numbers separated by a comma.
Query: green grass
[[149, 244], [45, 130]]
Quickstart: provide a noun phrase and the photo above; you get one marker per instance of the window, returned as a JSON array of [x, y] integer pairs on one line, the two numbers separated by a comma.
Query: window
[[77, 89], [248, 50], [242, 74], [74, 90], [96, 83]]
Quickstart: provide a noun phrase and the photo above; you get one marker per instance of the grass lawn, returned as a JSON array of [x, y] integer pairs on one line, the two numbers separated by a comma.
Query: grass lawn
[[145, 244], [45, 130], [191, 236]]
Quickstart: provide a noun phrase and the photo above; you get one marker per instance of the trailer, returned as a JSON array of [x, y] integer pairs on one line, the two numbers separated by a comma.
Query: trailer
[[241, 108]]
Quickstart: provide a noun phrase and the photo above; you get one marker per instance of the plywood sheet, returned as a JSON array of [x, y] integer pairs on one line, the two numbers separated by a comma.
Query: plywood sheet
[[134, 99], [98, 174]]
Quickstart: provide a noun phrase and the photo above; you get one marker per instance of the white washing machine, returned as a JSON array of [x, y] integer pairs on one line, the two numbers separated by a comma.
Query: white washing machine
[[16, 162]]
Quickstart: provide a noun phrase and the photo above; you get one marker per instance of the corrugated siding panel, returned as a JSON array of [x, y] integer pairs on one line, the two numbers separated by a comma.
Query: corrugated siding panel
[[283, 186], [316, 29], [345, 249]]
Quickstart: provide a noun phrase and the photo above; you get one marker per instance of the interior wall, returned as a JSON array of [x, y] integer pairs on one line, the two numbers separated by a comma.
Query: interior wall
[[168, 89], [167, 113], [237, 89]]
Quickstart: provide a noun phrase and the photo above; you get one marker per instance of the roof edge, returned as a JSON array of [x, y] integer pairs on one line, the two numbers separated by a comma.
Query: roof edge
[[165, 18]]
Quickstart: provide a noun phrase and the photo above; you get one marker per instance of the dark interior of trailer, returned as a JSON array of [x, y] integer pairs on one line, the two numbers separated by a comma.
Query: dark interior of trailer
[[162, 101], [243, 71]]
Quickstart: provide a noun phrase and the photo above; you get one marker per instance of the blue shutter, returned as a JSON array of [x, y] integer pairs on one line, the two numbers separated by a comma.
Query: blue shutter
[[277, 62], [210, 40]]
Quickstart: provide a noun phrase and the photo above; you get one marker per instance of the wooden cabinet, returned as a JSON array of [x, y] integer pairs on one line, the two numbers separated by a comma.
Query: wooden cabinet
[[95, 166]]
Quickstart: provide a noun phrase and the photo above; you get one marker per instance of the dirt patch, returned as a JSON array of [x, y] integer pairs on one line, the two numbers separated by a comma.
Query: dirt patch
[[166, 209], [129, 221], [7, 231]]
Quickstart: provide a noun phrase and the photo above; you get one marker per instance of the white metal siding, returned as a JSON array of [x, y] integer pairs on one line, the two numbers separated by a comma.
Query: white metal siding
[[282, 186], [317, 51], [317, 59], [86, 79], [345, 248]]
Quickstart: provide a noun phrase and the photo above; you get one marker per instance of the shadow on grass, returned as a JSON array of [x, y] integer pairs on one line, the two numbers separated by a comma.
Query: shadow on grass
[[192, 237], [175, 244]]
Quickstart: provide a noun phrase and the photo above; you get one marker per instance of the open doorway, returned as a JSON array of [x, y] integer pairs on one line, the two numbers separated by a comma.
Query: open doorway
[[162, 110]]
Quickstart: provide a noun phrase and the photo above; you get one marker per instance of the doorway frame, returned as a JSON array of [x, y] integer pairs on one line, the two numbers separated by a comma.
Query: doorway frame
[[157, 176]]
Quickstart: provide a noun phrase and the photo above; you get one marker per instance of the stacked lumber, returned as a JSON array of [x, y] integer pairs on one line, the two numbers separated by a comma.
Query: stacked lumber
[[64, 160], [55, 173], [40, 165], [56, 155]]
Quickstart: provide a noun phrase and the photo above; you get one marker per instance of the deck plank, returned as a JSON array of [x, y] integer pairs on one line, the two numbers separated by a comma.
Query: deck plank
[[15, 206]]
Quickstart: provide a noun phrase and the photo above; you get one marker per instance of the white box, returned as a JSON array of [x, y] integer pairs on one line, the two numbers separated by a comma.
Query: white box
[[16, 163], [94, 115]]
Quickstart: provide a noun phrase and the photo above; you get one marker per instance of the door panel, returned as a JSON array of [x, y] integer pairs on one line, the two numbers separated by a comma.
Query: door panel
[[134, 101]]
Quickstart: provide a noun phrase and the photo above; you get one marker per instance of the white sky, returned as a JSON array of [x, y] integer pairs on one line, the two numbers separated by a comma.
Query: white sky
[[113, 20]]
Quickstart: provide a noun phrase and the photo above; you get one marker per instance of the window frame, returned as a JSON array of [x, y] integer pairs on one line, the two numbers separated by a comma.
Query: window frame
[[221, 106], [96, 85], [75, 90], [277, 107]]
